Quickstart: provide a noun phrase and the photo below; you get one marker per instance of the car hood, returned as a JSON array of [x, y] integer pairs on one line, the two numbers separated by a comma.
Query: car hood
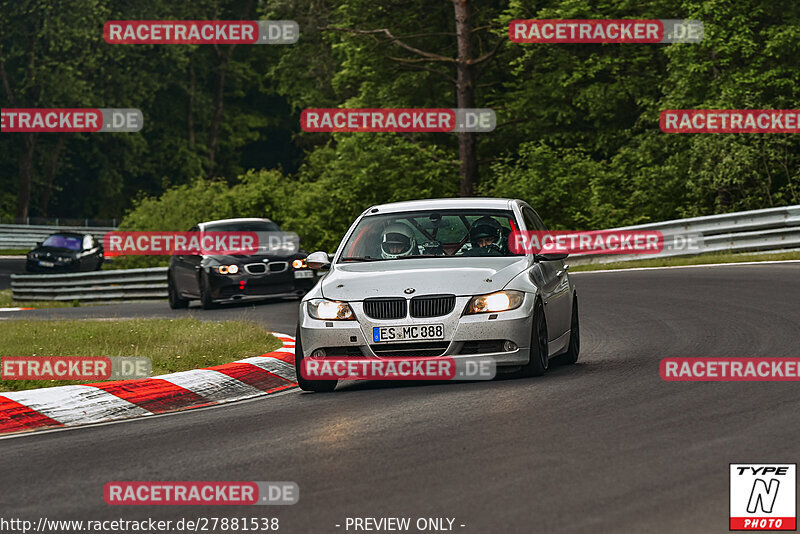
[[429, 276], [254, 258]]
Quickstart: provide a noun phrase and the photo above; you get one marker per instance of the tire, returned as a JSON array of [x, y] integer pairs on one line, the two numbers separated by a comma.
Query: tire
[[571, 356], [539, 360], [319, 386], [175, 301], [205, 294]]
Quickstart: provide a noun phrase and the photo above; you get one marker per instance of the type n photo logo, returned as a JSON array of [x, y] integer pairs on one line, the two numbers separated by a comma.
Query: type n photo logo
[[763, 497]]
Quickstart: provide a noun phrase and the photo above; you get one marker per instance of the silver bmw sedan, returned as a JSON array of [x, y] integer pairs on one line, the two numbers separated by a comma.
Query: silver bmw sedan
[[430, 278]]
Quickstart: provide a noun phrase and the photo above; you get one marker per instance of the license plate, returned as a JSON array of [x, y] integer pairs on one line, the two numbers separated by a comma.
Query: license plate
[[304, 274], [407, 333], [46, 264]]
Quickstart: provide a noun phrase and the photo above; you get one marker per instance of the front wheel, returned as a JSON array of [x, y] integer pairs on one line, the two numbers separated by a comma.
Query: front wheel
[[175, 300], [205, 293], [571, 356], [539, 360], [320, 386]]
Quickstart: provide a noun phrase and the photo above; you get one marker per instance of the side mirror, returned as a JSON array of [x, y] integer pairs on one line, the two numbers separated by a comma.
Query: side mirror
[[318, 260], [550, 257]]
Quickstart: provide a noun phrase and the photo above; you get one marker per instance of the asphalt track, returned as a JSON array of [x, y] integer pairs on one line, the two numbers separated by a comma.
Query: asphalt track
[[602, 446]]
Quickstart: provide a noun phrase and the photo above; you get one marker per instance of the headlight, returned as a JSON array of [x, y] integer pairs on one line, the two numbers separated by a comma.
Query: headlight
[[228, 269], [299, 264], [330, 310], [496, 302]]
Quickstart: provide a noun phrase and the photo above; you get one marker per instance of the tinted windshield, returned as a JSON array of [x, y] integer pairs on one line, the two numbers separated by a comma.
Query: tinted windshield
[[63, 241], [244, 226], [443, 233]]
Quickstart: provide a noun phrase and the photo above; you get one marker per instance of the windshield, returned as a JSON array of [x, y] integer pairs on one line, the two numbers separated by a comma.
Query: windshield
[[63, 241], [420, 234]]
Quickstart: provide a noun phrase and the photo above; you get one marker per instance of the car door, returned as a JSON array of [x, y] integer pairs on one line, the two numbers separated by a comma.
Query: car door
[[555, 285], [184, 271]]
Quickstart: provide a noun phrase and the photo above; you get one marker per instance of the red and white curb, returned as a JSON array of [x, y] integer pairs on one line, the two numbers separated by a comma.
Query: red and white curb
[[14, 309], [107, 401]]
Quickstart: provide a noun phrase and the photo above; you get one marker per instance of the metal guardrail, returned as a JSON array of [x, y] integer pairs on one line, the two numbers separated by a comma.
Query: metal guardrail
[[130, 284], [59, 221], [20, 237], [772, 229]]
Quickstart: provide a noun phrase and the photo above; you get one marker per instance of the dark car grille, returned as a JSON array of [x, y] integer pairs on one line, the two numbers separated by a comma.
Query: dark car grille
[[256, 268], [278, 266], [432, 306], [420, 349], [482, 346], [343, 351], [390, 308], [261, 268]]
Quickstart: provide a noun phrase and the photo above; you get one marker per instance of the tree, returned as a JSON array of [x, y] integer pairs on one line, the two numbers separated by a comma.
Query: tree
[[464, 83]]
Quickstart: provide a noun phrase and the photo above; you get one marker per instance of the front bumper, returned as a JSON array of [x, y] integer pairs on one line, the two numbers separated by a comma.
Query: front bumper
[[32, 266], [246, 286], [464, 335]]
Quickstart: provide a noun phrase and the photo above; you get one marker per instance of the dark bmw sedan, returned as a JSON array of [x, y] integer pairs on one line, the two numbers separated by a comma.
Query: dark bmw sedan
[[66, 252], [213, 279]]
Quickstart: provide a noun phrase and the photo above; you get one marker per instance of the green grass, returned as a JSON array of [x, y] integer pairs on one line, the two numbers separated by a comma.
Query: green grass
[[687, 260], [7, 302], [13, 252], [172, 344]]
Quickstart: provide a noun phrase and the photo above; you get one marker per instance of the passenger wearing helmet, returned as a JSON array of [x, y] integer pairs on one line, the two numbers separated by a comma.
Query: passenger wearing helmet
[[397, 241], [486, 237]]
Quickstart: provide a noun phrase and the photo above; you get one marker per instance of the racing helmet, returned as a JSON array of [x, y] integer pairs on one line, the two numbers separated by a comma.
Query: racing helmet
[[397, 241], [486, 227]]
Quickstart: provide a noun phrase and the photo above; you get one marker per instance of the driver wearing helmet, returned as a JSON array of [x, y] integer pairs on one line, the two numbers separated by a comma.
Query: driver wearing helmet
[[486, 237], [397, 241]]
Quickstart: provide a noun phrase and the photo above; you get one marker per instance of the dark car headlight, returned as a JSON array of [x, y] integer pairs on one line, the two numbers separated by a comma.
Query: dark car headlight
[[330, 310], [496, 302], [227, 269]]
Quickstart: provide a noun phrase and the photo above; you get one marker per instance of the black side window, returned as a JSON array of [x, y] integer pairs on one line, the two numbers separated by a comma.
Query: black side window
[[532, 220]]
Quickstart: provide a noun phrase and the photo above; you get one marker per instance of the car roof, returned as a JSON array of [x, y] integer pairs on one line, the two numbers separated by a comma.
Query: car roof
[[242, 219], [443, 203]]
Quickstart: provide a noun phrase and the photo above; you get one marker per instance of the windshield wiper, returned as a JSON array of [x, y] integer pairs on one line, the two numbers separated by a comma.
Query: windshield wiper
[[361, 258], [414, 256]]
